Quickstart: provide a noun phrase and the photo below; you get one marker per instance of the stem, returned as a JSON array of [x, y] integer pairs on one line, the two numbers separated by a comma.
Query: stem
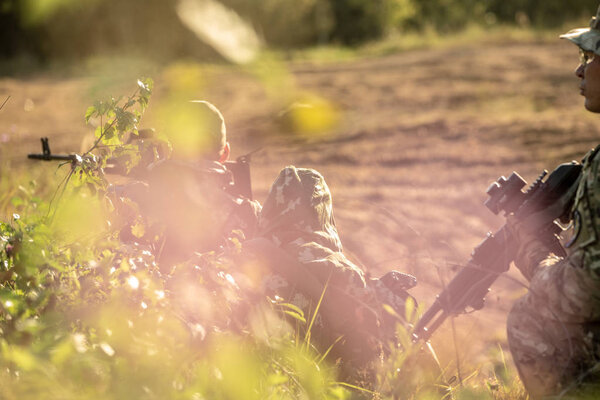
[[62, 185], [458, 374], [5, 101]]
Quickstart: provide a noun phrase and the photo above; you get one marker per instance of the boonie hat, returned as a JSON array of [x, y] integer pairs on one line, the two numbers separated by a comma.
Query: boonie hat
[[586, 38]]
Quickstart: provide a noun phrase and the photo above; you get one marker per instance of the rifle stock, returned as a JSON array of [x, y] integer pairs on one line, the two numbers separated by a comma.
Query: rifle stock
[[537, 209]]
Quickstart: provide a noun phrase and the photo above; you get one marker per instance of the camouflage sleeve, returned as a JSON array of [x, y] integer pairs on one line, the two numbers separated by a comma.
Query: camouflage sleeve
[[532, 257], [532, 253]]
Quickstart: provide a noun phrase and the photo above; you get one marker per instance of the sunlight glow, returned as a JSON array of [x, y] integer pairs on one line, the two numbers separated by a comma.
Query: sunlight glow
[[220, 27], [133, 282], [107, 349], [80, 342]]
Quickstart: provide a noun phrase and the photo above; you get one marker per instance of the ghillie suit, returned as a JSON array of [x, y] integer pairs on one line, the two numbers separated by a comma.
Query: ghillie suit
[[299, 242]]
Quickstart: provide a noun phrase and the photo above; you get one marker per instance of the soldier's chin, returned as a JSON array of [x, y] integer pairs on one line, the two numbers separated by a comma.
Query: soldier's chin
[[592, 106]]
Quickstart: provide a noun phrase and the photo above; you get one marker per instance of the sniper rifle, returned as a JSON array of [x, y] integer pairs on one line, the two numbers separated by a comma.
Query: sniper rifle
[[240, 168]]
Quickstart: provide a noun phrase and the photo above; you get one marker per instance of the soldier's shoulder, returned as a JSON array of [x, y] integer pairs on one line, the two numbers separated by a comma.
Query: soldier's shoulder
[[591, 156]]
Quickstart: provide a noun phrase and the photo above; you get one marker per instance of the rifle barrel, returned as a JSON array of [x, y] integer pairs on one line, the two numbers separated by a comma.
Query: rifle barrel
[[50, 157]]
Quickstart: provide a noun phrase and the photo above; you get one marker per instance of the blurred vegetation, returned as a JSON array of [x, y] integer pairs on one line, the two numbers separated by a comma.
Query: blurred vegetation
[[86, 316], [67, 29]]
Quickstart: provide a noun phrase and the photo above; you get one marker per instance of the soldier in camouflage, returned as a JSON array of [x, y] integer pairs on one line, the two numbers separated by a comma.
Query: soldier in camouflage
[[554, 330], [187, 200], [300, 241]]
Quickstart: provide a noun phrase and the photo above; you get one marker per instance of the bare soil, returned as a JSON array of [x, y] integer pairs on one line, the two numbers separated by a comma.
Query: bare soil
[[422, 135]]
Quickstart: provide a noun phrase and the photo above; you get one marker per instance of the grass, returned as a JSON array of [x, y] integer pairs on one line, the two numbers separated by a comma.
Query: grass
[[278, 364]]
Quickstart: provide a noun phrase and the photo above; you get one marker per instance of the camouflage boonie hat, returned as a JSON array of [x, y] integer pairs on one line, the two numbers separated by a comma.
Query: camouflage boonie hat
[[586, 38]]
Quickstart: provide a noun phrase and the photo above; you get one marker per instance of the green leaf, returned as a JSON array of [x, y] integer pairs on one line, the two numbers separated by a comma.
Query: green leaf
[[125, 120], [410, 307], [138, 229], [390, 310], [16, 201], [277, 379], [146, 86], [292, 307], [89, 113], [129, 103], [101, 107], [143, 102], [109, 133], [295, 315]]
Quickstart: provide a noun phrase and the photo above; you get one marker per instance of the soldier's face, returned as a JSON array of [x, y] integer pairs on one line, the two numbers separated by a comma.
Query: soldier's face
[[589, 73]]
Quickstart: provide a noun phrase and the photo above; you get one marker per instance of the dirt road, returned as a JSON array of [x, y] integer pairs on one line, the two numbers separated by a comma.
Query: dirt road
[[422, 135]]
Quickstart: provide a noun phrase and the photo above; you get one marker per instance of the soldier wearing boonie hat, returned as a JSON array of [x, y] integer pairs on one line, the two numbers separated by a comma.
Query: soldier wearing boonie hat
[[588, 40], [554, 330]]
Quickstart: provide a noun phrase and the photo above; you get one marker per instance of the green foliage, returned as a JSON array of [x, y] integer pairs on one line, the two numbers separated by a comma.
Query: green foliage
[[76, 29], [541, 13], [356, 21], [447, 15], [287, 23]]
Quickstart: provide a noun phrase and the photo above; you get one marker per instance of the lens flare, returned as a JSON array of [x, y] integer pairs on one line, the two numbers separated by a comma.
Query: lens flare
[[133, 282], [220, 27]]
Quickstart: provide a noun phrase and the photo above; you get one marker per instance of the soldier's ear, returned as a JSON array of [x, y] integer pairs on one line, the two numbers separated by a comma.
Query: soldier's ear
[[225, 154]]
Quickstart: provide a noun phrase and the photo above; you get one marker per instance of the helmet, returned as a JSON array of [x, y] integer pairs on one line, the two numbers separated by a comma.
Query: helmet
[[587, 39]]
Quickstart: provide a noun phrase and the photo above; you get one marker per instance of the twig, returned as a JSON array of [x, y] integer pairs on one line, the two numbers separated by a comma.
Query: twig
[[5, 101], [458, 373], [62, 185], [580, 380]]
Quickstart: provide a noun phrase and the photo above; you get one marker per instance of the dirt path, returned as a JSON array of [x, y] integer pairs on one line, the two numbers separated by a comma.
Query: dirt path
[[423, 134]]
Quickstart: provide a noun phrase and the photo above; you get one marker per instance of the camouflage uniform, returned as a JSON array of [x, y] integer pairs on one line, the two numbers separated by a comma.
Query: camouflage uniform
[[553, 331], [297, 217]]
